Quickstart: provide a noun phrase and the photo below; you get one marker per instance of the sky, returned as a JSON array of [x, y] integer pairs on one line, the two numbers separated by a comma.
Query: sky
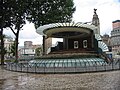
[[107, 10]]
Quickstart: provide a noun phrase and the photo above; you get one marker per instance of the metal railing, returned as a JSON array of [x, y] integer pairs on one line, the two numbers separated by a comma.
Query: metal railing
[[25, 67]]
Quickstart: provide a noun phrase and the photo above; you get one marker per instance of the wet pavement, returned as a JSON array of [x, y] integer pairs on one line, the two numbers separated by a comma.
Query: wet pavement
[[87, 81]]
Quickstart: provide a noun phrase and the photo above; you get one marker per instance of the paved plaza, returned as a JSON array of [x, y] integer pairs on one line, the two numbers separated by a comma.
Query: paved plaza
[[86, 81]]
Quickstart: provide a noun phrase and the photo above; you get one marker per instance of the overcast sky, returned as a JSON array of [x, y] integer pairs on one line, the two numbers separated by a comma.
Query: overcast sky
[[107, 10]]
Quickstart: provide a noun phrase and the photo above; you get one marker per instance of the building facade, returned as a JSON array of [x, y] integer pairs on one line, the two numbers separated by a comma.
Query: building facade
[[8, 42], [115, 38], [29, 49], [27, 44], [107, 40]]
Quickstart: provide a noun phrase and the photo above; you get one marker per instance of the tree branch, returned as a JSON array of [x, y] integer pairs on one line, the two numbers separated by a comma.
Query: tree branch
[[13, 31], [21, 26]]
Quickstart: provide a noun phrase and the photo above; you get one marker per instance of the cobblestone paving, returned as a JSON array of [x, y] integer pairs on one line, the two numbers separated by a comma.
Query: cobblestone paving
[[86, 81]]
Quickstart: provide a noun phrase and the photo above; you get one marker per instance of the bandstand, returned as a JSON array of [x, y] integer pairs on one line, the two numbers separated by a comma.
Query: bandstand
[[80, 48]]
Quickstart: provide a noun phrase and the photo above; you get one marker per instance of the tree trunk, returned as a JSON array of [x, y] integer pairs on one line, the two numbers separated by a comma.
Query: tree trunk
[[16, 42], [16, 46], [43, 45], [2, 47]]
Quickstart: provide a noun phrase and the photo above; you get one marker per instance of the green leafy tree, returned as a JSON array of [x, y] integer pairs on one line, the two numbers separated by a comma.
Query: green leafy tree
[[51, 11], [19, 14], [14, 14], [38, 51], [5, 14], [40, 12]]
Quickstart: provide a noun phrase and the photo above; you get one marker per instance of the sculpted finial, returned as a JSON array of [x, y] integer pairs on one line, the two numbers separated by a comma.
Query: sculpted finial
[[95, 11]]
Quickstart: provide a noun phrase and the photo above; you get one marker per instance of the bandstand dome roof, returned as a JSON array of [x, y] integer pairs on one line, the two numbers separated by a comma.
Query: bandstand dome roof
[[61, 30]]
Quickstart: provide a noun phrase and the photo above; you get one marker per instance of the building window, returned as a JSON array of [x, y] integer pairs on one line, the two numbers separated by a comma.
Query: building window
[[85, 44], [75, 44], [33, 50]]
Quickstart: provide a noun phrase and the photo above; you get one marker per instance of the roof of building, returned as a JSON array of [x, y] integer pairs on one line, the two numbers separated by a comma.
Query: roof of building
[[116, 21], [60, 29]]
